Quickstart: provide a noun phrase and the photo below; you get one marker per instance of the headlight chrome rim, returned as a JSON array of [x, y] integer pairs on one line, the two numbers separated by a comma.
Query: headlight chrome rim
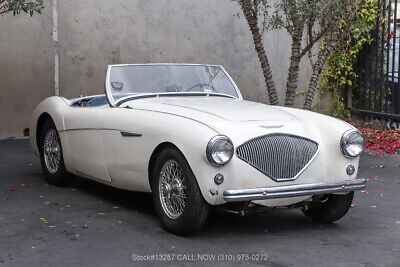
[[209, 151], [344, 143]]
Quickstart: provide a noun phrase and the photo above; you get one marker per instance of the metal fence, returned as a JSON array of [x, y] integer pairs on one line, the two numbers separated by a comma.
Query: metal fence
[[378, 92]]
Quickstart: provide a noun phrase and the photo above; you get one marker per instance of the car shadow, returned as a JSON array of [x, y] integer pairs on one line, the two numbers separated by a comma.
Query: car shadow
[[277, 222], [135, 201], [219, 222]]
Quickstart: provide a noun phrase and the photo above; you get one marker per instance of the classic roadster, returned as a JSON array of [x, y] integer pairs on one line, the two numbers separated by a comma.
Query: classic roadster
[[184, 133]]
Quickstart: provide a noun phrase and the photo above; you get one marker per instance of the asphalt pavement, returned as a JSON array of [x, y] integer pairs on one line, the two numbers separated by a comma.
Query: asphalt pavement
[[90, 224]]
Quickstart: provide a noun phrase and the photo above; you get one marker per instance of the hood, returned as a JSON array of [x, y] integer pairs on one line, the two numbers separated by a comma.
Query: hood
[[215, 108], [242, 120]]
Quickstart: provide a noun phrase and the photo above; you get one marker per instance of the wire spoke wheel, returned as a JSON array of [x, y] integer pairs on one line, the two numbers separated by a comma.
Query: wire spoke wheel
[[172, 189], [176, 195], [52, 151]]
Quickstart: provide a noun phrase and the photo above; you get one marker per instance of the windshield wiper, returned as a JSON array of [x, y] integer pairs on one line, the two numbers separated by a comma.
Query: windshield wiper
[[121, 101]]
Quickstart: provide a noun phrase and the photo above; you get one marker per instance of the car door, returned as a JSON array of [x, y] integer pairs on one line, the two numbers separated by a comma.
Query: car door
[[127, 148], [84, 137]]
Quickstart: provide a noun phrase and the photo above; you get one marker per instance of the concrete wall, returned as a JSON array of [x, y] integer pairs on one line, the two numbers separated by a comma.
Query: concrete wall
[[26, 69], [94, 33]]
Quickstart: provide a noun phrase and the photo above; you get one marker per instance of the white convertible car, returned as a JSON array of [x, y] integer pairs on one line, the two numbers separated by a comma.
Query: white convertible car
[[184, 133]]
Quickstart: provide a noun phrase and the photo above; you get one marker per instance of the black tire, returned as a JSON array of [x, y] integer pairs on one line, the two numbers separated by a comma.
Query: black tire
[[60, 176], [329, 209], [196, 209]]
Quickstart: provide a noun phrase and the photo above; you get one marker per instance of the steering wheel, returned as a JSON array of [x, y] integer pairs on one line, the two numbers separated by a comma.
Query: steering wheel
[[201, 85]]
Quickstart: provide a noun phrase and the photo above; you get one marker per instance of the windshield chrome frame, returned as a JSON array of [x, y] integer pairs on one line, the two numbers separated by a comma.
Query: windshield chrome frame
[[113, 103]]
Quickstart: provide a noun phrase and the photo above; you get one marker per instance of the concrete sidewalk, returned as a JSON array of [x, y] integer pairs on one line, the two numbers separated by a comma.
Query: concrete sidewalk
[[90, 224]]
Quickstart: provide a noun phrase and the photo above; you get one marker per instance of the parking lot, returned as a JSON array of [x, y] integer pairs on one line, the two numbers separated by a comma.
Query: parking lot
[[95, 225]]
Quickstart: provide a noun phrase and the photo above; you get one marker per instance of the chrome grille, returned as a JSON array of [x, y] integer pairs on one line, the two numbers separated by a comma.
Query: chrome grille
[[280, 156]]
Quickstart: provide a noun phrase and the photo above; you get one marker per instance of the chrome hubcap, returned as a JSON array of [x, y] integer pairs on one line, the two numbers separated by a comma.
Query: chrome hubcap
[[172, 189], [52, 151]]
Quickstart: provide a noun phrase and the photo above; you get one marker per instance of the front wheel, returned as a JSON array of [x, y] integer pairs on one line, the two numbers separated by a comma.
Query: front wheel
[[329, 208], [178, 201]]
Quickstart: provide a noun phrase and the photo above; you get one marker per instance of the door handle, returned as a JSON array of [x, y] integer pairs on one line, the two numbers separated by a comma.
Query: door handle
[[130, 134]]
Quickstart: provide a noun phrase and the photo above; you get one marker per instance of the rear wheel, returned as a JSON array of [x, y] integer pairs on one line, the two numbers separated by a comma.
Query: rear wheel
[[178, 201], [51, 155], [329, 208]]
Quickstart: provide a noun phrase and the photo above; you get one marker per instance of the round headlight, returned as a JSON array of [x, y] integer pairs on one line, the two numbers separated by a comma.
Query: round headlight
[[352, 143], [219, 150]]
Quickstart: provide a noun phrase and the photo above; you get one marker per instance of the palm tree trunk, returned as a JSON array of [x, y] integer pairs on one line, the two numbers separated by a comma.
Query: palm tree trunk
[[293, 74], [315, 77], [252, 20]]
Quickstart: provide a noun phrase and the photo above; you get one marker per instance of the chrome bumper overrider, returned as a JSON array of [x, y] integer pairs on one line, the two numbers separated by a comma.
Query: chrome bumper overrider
[[293, 190]]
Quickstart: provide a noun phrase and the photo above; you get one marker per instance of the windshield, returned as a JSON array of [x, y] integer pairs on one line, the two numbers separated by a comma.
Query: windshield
[[124, 81]]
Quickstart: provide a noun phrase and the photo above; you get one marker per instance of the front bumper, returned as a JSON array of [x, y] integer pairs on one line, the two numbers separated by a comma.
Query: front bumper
[[293, 190]]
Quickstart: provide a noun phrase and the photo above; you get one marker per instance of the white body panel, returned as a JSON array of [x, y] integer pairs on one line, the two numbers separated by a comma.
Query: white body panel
[[85, 142], [94, 147]]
